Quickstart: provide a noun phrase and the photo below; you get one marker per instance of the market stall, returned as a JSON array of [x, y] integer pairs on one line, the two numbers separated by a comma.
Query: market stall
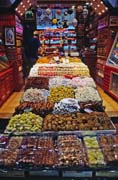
[[59, 126]]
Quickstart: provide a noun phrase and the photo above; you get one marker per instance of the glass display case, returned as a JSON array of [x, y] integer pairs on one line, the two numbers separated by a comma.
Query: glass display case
[[113, 55], [114, 83]]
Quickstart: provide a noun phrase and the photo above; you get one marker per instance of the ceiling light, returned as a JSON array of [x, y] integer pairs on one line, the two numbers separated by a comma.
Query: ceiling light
[[21, 3], [23, 6], [98, 5], [99, 13]]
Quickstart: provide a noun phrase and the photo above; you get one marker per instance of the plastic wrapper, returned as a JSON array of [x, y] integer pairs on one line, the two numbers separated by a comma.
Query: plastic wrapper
[[26, 122], [59, 81], [85, 94], [66, 105], [35, 95], [83, 82]]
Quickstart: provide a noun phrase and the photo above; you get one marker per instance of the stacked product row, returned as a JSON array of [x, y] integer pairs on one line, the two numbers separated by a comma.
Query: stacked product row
[[30, 122], [73, 69], [60, 151]]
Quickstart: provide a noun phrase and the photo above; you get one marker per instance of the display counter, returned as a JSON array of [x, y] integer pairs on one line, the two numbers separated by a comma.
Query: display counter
[[54, 157]]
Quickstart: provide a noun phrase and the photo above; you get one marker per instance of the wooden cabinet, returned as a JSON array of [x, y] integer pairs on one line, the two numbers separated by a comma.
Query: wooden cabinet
[[105, 41], [6, 84]]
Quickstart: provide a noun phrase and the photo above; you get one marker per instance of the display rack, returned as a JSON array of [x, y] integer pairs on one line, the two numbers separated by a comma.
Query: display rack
[[105, 40], [111, 71], [103, 48], [90, 43], [54, 39]]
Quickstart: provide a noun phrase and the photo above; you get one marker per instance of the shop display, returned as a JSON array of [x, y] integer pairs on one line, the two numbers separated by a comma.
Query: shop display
[[60, 124], [66, 105], [91, 142], [57, 151], [40, 108], [26, 122], [83, 82], [37, 82], [85, 94], [111, 154], [106, 140], [71, 151], [95, 157], [59, 81], [95, 121], [35, 95], [14, 143], [91, 106], [8, 157], [73, 69], [60, 92]]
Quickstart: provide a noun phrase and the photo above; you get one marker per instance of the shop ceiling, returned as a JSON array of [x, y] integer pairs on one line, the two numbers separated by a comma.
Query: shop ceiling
[[97, 5], [21, 6]]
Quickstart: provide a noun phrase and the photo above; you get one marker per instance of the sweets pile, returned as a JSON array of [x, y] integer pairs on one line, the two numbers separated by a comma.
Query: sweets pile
[[60, 103], [73, 69], [67, 150]]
